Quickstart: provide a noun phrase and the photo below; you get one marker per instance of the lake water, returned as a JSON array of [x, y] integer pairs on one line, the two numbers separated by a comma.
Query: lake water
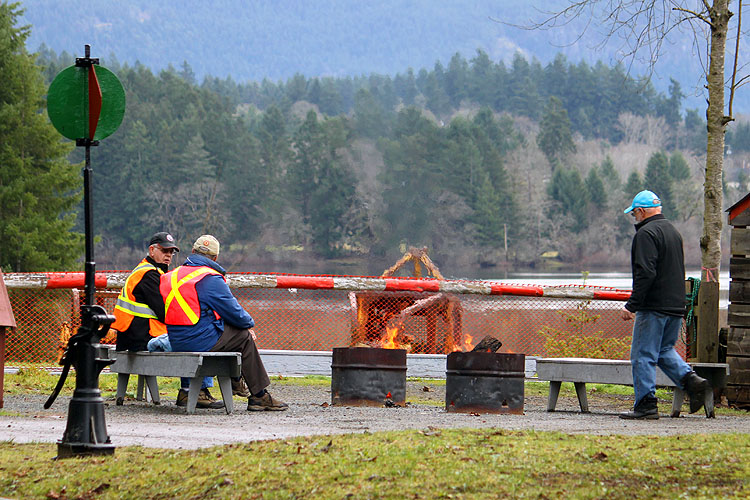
[[622, 281]]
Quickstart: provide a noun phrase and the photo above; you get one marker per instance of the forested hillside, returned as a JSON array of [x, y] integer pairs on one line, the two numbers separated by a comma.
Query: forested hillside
[[464, 159], [250, 41]]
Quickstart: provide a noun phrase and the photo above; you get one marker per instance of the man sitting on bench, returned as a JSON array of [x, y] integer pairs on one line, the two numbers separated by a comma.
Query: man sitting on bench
[[139, 311], [202, 315]]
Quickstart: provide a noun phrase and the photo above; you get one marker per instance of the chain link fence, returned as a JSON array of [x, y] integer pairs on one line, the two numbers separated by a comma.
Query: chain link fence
[[319, 319]]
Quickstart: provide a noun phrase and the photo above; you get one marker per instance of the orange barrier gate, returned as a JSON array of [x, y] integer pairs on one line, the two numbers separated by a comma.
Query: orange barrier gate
[[318, 313]]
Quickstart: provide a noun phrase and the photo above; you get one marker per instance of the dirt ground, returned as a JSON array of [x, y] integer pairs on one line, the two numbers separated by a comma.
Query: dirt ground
[[23, 418]]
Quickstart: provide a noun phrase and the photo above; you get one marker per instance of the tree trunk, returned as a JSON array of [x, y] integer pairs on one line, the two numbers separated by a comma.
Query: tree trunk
[[716, 128]]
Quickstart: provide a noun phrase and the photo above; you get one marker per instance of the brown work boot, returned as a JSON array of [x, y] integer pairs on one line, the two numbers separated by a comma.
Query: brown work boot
[[266, 402], [205, 400], [182, 397], [239, 388]]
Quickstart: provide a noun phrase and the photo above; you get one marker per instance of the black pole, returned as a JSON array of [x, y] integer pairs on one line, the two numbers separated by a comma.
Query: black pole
[[86, 431], [90, 283]]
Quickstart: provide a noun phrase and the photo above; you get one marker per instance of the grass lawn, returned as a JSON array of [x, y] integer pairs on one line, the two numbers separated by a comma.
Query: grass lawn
[[409, 464], [426, 464]]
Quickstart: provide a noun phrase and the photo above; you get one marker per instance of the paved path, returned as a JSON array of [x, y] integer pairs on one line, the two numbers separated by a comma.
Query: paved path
[[166, 426]]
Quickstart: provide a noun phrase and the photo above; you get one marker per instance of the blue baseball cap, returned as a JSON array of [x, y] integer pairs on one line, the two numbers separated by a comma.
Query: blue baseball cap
[[644, 199]]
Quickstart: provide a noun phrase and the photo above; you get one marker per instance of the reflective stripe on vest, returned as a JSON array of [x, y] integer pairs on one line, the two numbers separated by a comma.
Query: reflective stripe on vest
[[179, 288], [126, 307]]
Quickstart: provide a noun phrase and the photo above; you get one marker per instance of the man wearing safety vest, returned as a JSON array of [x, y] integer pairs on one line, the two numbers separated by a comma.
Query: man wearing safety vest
[[202, 315], [139, 311]]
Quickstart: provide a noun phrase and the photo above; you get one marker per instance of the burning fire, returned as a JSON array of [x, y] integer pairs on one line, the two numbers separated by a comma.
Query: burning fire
[[391, 332], [468, 343], [394, 338]]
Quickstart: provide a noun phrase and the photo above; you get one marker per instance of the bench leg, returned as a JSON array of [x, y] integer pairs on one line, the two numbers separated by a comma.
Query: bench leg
[[122, 387], [139, 392], [708, 403], [581, 393], [677, 400], [225, 384], [554, 391], [153, 389], [195, 388]]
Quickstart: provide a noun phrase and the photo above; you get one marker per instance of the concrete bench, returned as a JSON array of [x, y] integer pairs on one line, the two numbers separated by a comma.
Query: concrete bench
[[582, 371], [193, 365]]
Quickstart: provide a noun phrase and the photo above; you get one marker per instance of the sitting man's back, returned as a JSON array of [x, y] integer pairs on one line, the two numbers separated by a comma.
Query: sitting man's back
[[202, 315]]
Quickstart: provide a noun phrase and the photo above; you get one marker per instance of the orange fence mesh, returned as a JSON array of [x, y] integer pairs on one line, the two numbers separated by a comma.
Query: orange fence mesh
[[319, 320]]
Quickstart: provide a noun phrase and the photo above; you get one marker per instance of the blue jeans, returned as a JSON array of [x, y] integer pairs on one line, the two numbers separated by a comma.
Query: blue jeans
[[161, 344], [654, 337]]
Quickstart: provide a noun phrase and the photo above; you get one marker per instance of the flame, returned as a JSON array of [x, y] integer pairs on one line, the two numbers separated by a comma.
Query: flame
[[468, 343], [391, 332]]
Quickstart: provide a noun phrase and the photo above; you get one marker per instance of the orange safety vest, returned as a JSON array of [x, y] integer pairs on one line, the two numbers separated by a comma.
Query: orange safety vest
[[181, 305], [127, 307]]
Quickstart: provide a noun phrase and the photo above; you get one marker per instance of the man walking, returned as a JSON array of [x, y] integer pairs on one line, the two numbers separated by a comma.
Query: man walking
[[139, 311], [657, 303], [202, 315]]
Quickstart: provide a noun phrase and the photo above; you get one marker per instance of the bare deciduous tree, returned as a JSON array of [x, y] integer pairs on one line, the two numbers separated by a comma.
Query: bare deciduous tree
[[642, 27]]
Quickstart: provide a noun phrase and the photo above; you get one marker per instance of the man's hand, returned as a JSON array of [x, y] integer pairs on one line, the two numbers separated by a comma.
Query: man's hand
[[252, 334], [626, 315]]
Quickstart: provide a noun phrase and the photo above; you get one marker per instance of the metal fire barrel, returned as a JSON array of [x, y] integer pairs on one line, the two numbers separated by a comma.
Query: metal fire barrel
[[364, 376], [484, 382]]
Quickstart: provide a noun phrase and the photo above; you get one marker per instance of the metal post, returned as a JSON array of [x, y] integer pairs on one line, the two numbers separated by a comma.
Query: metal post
[[86, 431]]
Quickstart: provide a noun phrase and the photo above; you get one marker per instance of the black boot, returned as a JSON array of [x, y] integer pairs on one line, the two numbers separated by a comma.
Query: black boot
[[646, 409], [696, 388]]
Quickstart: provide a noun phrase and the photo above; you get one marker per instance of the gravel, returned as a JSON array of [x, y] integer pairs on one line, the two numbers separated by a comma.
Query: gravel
[[166, 426]]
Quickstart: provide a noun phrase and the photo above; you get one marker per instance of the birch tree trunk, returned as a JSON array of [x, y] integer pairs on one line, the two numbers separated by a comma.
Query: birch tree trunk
[[716, 127]]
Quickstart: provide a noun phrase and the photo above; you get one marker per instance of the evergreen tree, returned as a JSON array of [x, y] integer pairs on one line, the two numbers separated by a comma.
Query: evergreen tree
[[658, 180], [739, 139], [555, 138], [309, 156], [369, 115], [456, 80], [406, 87], [633, 185], [678, 167], [568, 189], [38, 186], [609, 174], [597, 195]]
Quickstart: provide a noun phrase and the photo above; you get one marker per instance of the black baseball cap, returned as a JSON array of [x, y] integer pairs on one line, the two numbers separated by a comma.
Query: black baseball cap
[[164, 240]]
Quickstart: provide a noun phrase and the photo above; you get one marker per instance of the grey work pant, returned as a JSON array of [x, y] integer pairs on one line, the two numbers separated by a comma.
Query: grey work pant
[[236, 340]]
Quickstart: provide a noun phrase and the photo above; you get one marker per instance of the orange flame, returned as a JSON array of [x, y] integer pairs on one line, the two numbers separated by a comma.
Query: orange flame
[[389, 341], [468, 343]]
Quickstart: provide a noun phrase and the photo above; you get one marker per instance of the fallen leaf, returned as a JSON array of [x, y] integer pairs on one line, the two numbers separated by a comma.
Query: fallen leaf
[[325, 405], [600, 456], [327, 447], [426, 389]]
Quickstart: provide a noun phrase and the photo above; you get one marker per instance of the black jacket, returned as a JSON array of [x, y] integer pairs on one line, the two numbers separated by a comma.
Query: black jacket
[[658, 267], [146, 291]]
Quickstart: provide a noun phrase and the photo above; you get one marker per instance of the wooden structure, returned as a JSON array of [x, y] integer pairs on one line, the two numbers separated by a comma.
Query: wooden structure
[[419, 257], [6, 321], [738, 338], [377, 312], [381, 315]]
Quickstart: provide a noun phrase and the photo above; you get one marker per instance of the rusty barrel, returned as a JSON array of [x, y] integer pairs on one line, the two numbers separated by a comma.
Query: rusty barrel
[[363, 376], [484, 382]]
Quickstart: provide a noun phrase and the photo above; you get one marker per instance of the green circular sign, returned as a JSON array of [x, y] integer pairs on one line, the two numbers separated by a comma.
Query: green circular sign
[[68, 102]]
